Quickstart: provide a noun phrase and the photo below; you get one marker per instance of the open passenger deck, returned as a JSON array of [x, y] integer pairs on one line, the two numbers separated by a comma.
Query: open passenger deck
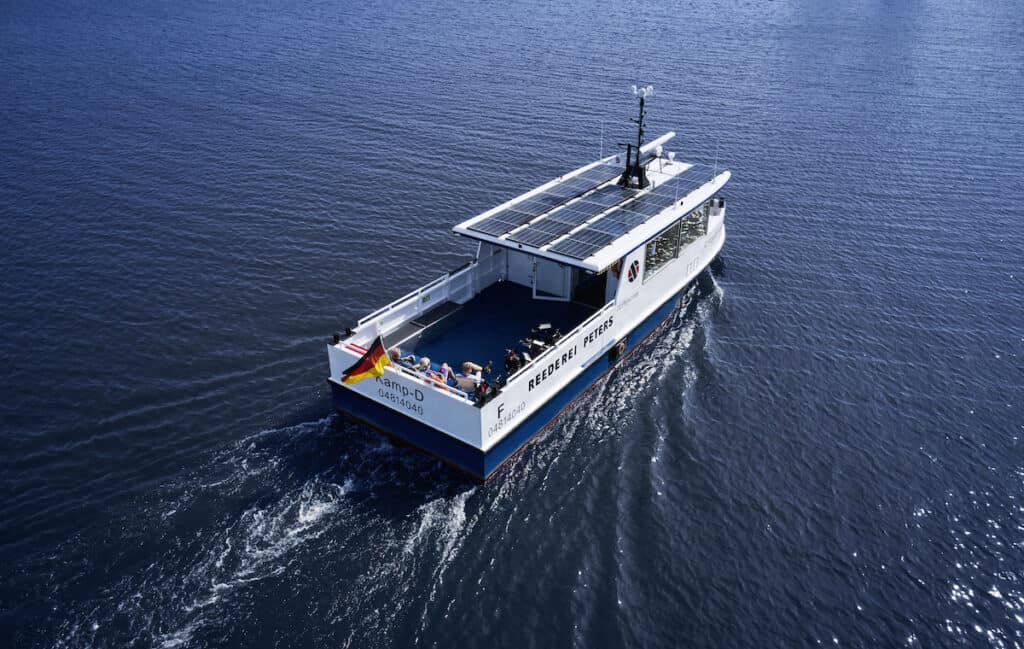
[[482, 329]]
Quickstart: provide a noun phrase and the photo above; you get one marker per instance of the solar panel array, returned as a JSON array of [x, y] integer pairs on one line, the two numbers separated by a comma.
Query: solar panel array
[[602, 232], [526, 210], [560, 218], [572, 215]]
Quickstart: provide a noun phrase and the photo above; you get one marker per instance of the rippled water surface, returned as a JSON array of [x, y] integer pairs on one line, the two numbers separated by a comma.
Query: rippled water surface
[[822, 447]]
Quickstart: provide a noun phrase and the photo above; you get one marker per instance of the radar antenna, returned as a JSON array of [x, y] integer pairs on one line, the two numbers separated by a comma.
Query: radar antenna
[[635, 175]]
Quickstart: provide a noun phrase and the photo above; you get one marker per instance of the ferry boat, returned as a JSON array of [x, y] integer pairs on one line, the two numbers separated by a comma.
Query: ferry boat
[[567, 280]]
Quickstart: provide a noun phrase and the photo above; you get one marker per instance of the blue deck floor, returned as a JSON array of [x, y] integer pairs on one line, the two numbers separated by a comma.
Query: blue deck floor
[[495, 320]]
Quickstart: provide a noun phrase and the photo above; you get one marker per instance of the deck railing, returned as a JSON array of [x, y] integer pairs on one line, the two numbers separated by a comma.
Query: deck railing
[[418, 376], [437, 291], [563, 340], [417, 295], [463, 397], [402, 300], [451, 391]]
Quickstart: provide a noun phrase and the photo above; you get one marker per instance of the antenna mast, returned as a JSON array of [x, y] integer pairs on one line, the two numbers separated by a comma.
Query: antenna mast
[[635, 174]]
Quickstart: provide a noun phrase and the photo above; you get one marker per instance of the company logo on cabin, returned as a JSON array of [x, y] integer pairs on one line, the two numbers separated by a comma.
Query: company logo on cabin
[[634, 269]]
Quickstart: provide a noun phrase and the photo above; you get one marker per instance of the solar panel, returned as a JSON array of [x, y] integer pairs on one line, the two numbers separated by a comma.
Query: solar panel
[[557, 223], [530, 208], [650, 205], [623, 218], [682, 184], [533, 236], [537, 204], [608, 196], [544, 225], [511, 218], [570, 188], [498, 224], [609, 226], [590, 237], [601, 173], [617, 223], [578, 249], [573, 214]]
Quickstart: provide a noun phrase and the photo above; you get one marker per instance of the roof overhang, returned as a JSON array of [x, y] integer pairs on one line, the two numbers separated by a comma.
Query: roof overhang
[[605, 256]]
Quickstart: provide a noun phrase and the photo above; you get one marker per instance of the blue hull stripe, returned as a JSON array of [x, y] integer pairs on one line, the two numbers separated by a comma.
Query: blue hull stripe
[[470, 459]]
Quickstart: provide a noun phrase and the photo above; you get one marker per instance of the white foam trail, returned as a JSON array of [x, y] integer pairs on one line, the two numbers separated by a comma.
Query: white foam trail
[[448, 517], [445, 517], [270, 533], [266, 535], [648, 366], [177, 638], [165, 605]]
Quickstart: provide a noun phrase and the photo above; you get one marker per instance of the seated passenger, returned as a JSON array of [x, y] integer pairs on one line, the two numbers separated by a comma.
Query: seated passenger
[[423, 365], [436, 377], [512, 361], [466, 383], [469, 367], [396, 357], [443, 378]]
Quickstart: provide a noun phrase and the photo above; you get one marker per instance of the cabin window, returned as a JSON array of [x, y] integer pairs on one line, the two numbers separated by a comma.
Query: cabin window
[[694, 225], [667, 245], [661, 250]]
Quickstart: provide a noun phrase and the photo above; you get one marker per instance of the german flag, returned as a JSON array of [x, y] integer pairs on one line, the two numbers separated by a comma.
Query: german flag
[[371, 364]]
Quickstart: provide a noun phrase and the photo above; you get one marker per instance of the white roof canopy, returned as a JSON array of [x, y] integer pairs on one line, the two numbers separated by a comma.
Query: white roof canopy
[[585, 219]]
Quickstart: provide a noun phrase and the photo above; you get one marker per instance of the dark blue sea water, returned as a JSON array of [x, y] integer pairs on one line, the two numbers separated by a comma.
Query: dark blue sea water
[[824, 447]]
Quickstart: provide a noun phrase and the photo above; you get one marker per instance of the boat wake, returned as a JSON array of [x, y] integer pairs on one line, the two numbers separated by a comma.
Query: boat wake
[[252, 523], [271, 514], [668, 363]]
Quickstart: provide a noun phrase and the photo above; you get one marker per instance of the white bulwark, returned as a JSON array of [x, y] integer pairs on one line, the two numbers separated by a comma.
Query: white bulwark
[[568, 278]]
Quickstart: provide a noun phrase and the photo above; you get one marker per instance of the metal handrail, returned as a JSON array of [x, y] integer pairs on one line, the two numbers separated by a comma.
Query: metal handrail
[[566, 337], [413, 295], [447, 389]]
